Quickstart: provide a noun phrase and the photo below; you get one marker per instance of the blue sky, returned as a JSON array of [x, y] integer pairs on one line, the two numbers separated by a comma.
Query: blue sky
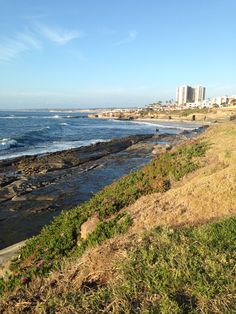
[[97, 53]]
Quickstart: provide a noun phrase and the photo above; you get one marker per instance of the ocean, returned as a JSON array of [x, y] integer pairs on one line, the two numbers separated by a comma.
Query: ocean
[[30, 133]]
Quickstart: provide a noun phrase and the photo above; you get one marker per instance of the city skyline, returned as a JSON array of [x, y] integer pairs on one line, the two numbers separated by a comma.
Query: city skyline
[[77, 54]]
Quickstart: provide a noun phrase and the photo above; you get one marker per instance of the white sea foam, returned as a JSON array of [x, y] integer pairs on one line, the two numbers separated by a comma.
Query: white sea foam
[[57, 146], [153, 124], [52, 147], [14, 117], [7, 143]]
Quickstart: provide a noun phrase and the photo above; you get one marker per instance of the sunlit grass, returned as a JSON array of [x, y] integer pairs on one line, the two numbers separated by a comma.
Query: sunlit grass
[[186, 270]]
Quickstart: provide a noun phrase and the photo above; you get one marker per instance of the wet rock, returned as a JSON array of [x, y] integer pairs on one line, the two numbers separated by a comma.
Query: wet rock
[[185, 132], [19, 198], [42, 164], [46, 197]]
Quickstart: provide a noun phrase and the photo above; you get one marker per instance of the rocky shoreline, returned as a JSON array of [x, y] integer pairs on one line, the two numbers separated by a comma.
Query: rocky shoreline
[[34, 189]]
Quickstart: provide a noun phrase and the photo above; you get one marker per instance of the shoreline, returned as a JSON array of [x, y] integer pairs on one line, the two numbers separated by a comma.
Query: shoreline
[[36, 188], [79, 149], [144, 148], [202, 123], [26, 154]]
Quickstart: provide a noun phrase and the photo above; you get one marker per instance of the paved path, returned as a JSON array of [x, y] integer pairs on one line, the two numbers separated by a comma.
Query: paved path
[[7, 254]]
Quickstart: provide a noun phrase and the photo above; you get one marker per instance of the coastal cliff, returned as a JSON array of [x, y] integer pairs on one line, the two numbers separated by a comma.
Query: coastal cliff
[[159, 239], [204, 115]]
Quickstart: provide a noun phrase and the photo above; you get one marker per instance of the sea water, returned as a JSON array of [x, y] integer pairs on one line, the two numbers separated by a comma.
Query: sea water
[[29, 133]]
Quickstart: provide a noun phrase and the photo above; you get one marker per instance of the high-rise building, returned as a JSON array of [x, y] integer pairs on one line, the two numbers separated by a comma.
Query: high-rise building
[[187, 94], [199, 94], [184, 94]]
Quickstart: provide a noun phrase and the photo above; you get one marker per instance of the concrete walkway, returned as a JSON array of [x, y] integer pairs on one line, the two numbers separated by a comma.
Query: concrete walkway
[[7, 254]]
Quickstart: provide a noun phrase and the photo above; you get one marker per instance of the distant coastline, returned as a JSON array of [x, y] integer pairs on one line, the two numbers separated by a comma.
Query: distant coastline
[[204, 115]]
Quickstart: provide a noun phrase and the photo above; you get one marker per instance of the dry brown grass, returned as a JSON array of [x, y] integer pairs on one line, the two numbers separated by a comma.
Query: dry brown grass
[[221, 114], [208, 193]]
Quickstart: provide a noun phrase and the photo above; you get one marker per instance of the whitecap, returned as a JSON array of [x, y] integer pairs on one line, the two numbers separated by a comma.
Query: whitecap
[[7, 143], [53, 147], [56, 117], [14, 117]]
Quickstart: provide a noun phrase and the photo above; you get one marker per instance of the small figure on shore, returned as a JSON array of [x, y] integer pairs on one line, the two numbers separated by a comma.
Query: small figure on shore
[[157, 130]]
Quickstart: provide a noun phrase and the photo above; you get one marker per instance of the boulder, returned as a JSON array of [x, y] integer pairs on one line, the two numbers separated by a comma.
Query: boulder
[[160, 149], [89, 226]]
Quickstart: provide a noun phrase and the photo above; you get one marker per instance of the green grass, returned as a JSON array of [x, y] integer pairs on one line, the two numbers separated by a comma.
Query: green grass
[[187, 270], [60, 238]]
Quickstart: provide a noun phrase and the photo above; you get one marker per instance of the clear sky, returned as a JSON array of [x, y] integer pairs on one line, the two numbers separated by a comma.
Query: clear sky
[[97, 53]]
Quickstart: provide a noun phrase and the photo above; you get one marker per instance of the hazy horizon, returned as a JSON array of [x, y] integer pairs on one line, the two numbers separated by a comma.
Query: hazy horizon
[[131, 53]]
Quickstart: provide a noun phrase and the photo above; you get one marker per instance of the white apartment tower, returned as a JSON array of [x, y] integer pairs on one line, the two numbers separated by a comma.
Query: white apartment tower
[[184, 94], [187, 94], [199, 94]]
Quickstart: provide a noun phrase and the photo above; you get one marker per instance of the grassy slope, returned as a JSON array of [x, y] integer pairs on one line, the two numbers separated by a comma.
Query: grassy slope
[[158, 176], [186, 270], [62, 237], [206, 194]]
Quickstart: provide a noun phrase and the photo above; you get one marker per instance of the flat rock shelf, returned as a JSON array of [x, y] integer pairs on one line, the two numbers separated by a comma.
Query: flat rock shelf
[[34, 189]]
